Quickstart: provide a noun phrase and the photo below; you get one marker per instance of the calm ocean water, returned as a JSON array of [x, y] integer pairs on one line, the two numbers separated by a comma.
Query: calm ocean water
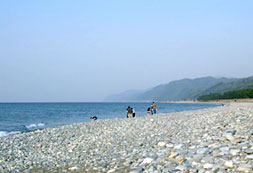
[[24, 117]]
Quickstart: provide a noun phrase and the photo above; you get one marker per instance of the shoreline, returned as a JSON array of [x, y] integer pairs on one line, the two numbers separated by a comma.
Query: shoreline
[[36, 125], [179, 141]]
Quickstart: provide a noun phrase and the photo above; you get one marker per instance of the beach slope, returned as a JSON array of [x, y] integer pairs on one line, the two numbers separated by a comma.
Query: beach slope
[[214, 139]]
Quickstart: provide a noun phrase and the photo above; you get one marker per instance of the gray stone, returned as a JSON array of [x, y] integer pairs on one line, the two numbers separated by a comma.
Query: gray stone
[[249, 151], [181, 168], [197, 157], [244, 168], [202, 150]]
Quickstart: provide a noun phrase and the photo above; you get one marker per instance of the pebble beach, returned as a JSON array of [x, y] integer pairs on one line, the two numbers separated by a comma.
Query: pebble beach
[[208, 140]]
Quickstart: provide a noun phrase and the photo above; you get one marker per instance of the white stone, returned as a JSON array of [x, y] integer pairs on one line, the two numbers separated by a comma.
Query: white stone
[[161, 144], [194, 163], [229, 164], [74, 168], [178, 146], [250, 156], [234, 152], [207, 166], [169, 145], [147, 161], [229, 137], [111, 171], [205, 135]]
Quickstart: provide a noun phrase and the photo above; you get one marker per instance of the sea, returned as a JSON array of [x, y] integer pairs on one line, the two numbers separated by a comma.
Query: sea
[[24, 117]]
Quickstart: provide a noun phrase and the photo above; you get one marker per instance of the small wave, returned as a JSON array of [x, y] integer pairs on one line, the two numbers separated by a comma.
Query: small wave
[[40, 125], [34, 126], [4, 133]]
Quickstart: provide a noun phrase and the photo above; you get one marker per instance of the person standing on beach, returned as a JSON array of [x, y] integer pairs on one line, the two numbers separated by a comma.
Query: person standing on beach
[[133, 112], [129, 112], [154, 108], [151, 109]]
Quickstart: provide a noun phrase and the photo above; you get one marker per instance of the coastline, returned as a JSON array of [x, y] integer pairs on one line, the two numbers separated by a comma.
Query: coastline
[[225, 101], [209, 139], [41, 116]]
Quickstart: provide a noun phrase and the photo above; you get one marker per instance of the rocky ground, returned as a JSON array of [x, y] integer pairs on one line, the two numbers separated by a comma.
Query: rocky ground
[[209, 140]]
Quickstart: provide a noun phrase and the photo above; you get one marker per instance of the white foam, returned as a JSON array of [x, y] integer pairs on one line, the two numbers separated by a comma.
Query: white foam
[[40, 124], [4, 133], [30, 126], [34, 126]]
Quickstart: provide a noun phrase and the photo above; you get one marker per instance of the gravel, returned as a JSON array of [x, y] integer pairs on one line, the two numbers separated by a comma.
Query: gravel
[[208, 140]]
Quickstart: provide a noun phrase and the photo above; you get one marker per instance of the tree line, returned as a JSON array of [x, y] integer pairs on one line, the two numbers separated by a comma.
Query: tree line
[[236, 94]]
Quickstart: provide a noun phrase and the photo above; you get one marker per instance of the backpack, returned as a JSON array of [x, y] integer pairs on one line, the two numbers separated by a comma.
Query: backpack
[[129, 110]]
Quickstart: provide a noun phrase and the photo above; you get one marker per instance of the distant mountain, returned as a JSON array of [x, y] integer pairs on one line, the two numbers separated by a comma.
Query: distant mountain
[[239, 84], [185, 89]]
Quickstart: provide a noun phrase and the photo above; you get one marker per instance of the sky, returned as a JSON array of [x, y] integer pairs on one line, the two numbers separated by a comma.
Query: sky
[[81, 51]]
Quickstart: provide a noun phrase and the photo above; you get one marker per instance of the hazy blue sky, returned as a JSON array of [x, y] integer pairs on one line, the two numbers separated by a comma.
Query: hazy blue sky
[[86, 50]]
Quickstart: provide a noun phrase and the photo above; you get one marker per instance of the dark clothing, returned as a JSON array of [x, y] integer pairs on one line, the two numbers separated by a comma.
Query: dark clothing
[[129, 110], [93, 118]]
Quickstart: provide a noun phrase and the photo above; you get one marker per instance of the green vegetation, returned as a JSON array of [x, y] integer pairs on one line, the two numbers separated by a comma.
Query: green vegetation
[[239, 84], [236, 94]]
